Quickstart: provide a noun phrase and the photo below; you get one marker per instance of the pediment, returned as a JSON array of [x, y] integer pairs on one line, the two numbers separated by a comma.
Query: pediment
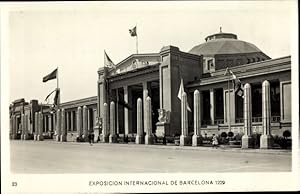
[[134, 62]]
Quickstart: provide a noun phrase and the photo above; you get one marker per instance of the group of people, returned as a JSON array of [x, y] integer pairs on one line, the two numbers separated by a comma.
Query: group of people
[[91, 136]]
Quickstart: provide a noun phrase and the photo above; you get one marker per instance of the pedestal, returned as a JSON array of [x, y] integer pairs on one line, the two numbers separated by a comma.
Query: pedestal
[[139, 139], [196, 140], [149, 139], [184, 140], [104, 138], [247, 141], [266, 142], [40, 137], [113, 139], [57, 137], [63, 138], [25, 137], [162, 129]]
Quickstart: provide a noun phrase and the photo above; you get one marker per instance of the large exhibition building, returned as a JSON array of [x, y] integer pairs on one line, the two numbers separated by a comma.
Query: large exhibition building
[[237, 88]]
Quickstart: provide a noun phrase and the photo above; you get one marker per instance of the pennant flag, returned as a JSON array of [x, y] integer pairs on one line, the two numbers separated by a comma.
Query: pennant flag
[[49, 95], [238, 88], [132, 31], [56, 98], [50, 76], [180, 92], [108, 62]]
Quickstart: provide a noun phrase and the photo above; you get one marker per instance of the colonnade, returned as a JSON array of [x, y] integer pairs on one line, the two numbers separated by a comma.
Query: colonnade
[[265, 141]]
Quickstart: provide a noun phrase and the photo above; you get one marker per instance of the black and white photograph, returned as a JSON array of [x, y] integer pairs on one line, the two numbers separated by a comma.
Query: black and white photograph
[[149, 96]]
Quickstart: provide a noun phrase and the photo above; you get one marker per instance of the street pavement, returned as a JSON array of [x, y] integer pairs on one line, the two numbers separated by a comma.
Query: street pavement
[[69, 157]]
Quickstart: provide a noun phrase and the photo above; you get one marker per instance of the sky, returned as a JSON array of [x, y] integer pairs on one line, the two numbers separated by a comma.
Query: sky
[[73, 37]]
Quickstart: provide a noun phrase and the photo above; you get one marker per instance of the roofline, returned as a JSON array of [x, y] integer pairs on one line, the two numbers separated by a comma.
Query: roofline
[[92, 98], [134, 55], [219, 74]]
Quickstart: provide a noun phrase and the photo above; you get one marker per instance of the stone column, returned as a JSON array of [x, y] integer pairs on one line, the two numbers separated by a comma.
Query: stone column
[[266, 138], [149, 139], [23, 125], [212, 106], [85, 123], [127, 113], [140, 132], [72, 120], [40, 136], [247, 139], [54, 123], [14, 127], [36, 125], [27, 127], [146, 88], [79, 122], [112, 136], [184, 139], [50, 123], [104, 135], [11, 126], [63, 136], [58, 125], [197, 140], [46, 129], [88, 120], [117, 111], [67, 121]]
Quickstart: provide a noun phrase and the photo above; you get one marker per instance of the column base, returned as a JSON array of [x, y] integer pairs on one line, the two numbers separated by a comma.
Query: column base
[[63, 138], [184, 140], [57, 137], [21, 137], [40, 137], [139, 139], [266, 142], [113, 139], [149, 139], [104, 138], [14, 136], [25, 137], [196, 140], [247, 141]]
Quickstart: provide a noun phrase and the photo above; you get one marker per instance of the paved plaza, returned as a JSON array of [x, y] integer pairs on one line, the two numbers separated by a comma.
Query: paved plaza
[[55, 157]]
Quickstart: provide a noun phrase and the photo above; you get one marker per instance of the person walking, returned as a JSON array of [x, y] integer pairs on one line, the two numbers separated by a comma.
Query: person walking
[[215, 141], [91, 136]]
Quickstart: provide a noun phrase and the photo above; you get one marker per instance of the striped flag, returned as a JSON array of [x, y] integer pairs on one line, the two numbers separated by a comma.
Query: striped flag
[[50, 76]]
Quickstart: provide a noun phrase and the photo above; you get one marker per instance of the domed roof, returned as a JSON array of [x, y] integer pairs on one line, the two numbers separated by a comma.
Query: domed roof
[[223, 43]]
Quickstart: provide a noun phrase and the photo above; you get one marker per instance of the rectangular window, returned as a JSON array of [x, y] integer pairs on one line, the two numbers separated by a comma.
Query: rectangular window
[[210, 63]]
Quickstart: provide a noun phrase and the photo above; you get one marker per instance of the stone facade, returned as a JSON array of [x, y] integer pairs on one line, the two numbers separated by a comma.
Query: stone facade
[[139, 98]]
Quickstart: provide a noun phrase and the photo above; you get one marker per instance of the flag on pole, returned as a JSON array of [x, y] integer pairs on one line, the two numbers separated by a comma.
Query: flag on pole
[[56, 97], [108, 62], [238, 88], [49, 95], [180, 92], [132, 31], [50, 76]]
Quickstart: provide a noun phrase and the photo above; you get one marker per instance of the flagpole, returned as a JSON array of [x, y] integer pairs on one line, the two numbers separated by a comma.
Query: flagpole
[[137, 51], [57, 87], [229, 106]]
